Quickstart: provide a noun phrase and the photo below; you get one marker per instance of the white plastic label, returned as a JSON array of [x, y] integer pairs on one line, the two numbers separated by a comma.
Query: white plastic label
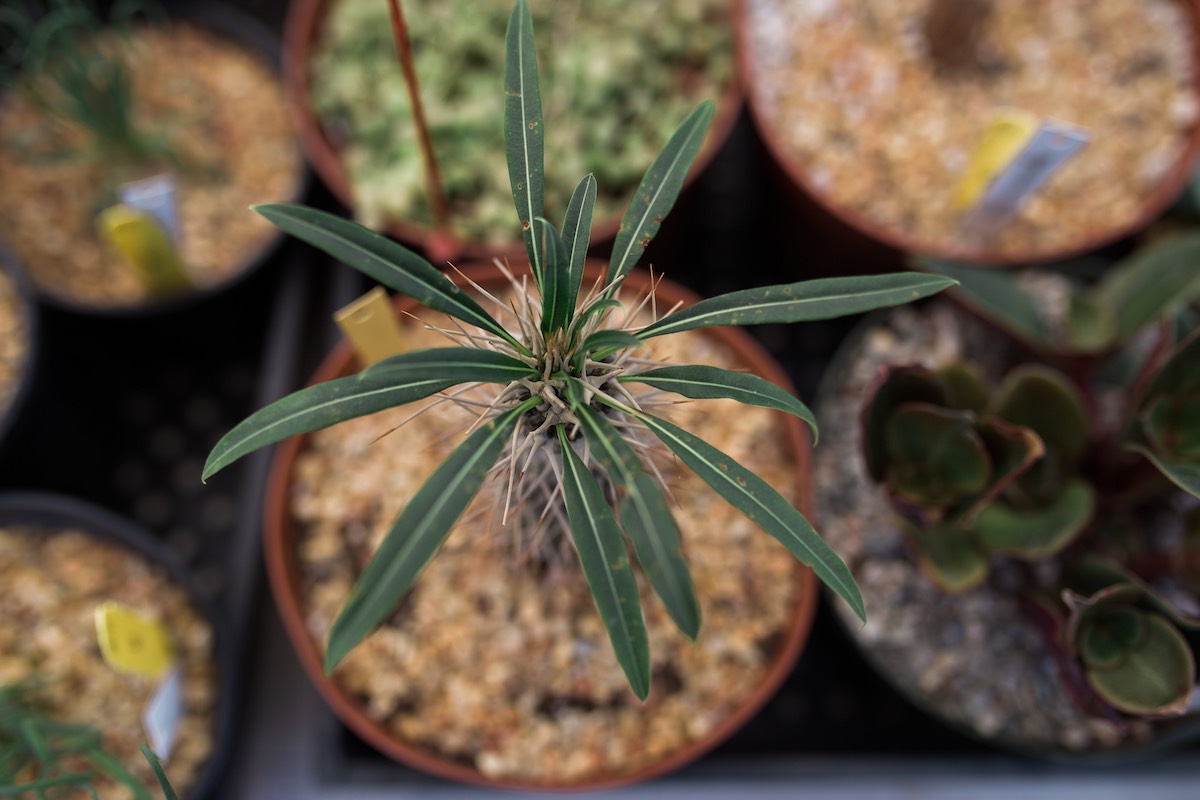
[[1052, 145], [162, 714], [155, 196]]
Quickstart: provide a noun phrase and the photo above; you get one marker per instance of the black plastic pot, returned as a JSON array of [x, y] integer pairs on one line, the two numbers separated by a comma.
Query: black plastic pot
[[53, 512]]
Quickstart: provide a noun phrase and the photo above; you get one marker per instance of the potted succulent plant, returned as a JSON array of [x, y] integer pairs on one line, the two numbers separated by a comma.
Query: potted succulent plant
[[893, 118], [127, 141], [1041, 496], [72, 718], [618, 72], [573, 441]]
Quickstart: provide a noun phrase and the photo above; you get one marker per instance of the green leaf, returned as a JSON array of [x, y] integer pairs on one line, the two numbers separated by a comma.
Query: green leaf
[[159, 774], [824, 298], [606, 342], [557, 302], [395, 381], [115, 770], [382, 260], [935, 454], [657, 192], [524, 137], [893, 387], [1181, 371], [1090, 324], [1155, 677], [606, 567], [1144, 287], [705, 383], [1037, 533], [646, 520], [1185, 475], [996, 295], [949, 556], [418, 532], [1045, 401], [755, 498], [576, 232]]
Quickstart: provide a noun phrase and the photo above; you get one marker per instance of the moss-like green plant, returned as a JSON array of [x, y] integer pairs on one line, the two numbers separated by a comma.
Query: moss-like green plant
[[41, 756], [1031, 472], [564, 400], [72, 64]]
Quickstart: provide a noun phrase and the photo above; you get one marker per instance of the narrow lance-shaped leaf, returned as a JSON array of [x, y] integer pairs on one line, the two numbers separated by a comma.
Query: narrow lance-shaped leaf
[[382, 260], [608, 341], [524, 140], [557, 303], [995, 294], [159, 774], [576, 233], [417, 533], [116, 770], [657, 192], [1185, 475], [755, 498], [706, 383], [395, 381], [606, 568], [806, 301], [646, 520]]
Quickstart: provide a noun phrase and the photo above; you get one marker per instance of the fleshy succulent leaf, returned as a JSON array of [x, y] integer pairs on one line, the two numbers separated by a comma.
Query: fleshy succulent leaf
[[646, 520], [704, 383], [656, 194], [755, 498], [963, 387], [382, 260], [417, 533], [576, 233], [935, 455], [606, 567], [524, 136], [1184, 474], [1153, 673], [1014, 449], [392, 382], [894, 386], [1091, 326], [557, 303], [1043, 400], [995, 294], [1147, 285], [1038, 532], [949, 556], [824, 298]]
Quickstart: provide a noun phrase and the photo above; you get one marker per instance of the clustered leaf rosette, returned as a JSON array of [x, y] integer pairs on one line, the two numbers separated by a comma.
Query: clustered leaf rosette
[[1028, 473], [565, 375]]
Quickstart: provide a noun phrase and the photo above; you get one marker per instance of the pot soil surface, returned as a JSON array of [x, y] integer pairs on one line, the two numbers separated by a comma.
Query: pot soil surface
[[498, 659], [616, 78], [974, 659], [856, 106], [14, 340], [221, 107], [53, 581]]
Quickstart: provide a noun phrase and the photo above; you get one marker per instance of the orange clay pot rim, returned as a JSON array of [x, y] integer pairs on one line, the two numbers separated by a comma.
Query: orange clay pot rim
[[301, 30], [278, 543], [791, 164]]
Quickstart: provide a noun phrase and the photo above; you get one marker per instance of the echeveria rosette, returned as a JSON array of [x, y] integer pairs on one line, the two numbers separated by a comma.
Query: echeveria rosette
[[564, 379]]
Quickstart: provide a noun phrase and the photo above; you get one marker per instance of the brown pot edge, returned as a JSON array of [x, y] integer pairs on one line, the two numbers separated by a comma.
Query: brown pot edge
[[278, 544]]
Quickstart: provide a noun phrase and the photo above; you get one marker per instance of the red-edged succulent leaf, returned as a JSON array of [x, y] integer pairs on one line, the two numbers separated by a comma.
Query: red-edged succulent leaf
[[948, 556], [964, 387], [1036, 533], [934, 455], [893, 387], [1014, 450]]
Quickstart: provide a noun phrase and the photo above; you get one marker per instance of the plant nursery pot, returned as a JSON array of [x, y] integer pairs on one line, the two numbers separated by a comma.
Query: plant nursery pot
[[578, 709], [73, 556], [332, 145], [206, 80], [18, 343], [858, 119], [977, 661]]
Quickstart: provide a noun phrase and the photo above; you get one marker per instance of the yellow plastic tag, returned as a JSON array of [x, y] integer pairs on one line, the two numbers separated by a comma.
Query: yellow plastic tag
[[371, 326], [131, 642], [1006, 133], [146, 246]]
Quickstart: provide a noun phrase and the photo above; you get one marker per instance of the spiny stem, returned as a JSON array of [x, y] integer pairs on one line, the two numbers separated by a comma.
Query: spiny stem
[[433, 177]]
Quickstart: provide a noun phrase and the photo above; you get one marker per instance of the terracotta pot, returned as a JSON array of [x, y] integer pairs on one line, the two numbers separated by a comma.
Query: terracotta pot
[[302, 29], [283, 570], [234, 25], [842, 225], [27, 311], [54, 512]]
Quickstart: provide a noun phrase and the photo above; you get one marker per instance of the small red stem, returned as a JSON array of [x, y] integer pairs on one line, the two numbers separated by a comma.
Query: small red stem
[[433, 177]]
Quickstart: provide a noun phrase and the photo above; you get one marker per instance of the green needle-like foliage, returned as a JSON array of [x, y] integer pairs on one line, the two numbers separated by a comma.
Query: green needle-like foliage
[[41, 756], [566, 390]]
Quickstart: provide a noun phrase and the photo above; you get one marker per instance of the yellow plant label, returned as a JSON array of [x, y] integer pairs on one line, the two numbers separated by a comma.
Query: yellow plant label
[[146, 246], [1006, 133], [371, 326], [131, 642]]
